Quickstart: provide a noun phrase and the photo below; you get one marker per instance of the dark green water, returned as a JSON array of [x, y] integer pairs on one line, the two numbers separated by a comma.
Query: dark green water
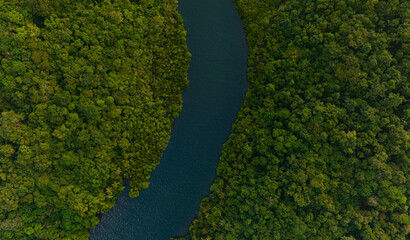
[[217, 87]]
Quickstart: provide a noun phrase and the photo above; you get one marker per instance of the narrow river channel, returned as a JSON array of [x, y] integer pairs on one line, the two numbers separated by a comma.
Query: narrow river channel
[[217, 76]]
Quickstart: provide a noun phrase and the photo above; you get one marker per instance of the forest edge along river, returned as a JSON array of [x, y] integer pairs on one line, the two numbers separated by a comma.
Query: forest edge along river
[[217, 76]]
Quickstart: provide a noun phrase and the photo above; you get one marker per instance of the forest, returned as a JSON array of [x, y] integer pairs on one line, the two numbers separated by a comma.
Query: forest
[[88, 93], [320, 148]]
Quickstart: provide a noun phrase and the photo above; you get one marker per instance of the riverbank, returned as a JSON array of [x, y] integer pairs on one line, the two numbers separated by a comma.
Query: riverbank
[[218, 83]]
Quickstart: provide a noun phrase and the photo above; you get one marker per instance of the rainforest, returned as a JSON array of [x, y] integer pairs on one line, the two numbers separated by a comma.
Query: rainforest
[[320, 147], [89, 90]]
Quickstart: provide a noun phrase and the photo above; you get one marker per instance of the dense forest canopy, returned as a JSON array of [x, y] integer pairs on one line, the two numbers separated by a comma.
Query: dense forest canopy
[[320, 149], [88, 92]]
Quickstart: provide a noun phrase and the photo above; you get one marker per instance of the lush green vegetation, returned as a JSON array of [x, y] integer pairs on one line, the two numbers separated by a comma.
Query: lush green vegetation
[[320, 147], [89, 90]]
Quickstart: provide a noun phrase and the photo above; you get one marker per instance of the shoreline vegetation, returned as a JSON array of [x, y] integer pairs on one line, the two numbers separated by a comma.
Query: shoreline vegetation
[[89, 90], [321, 144]]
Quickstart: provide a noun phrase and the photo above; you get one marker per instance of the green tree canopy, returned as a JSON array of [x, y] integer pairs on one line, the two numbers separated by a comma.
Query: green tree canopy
[[320, 147], [89, 90]]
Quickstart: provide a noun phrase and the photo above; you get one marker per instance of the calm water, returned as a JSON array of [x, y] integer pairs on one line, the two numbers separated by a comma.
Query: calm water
[[217, 87]]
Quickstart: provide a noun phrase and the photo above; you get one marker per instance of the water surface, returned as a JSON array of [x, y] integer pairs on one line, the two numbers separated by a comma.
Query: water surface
[[217, 76]]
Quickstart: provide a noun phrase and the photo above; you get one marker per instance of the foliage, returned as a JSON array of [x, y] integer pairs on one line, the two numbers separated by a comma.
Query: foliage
[[320, 147], [89, 90]]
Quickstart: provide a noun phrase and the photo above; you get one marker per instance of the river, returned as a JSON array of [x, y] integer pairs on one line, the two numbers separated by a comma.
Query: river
[[217, 76]]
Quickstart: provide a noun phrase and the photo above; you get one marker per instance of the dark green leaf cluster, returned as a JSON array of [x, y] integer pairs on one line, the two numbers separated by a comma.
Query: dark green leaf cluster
[[88, 93], [320, 149]]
